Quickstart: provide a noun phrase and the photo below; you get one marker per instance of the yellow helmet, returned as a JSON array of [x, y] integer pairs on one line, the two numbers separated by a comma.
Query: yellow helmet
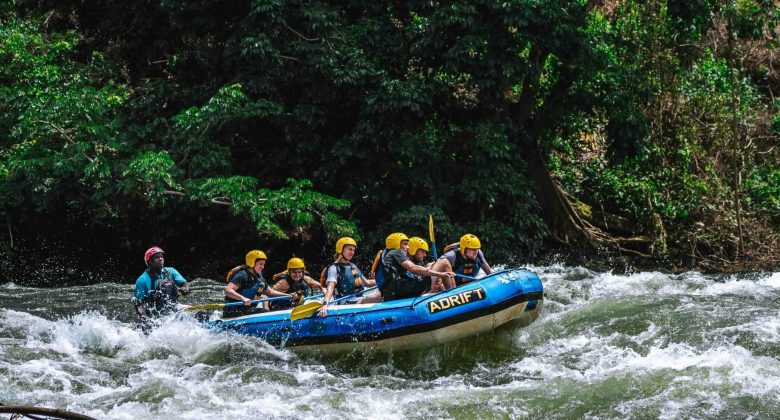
[[416, 243], [295, 263], [393, 240], [344, 241], [469, 241], [254, 255]]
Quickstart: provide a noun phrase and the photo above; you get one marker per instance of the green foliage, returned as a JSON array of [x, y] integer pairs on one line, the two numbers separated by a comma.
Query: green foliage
[[64, 139], [294, 204], [195, 130], [151, 174], [60, 134], [749, 17], [763, 186], [679, 121], [179, 109]]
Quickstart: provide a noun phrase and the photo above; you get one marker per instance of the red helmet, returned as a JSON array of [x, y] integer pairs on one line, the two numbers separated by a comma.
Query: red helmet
[[151, 251]]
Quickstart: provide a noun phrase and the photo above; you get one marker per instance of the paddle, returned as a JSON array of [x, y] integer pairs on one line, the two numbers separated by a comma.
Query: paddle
[[306, 310], [317, 296], [224, 305], [433, 240], [463, 276]]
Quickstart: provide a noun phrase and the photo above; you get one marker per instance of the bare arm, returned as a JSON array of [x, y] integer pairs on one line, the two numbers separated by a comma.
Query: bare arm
[[328, 296], [274, 293], [486, 268], [425, 271], [231, 291], [368, 282]]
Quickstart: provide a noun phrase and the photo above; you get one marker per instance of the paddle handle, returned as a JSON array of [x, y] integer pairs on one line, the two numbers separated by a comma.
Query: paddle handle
[[255, 302], [463, 276], [353, 294], [317, 296], [310, 308]]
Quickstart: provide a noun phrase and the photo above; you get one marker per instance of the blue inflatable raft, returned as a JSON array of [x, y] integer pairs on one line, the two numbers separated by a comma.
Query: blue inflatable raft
[[473, 308]]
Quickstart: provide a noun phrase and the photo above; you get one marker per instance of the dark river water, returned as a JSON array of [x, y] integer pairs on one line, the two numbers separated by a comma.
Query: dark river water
[[643, 345]]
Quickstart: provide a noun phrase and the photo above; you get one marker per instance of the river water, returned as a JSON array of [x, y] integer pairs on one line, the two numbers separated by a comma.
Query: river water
[[642, 345]]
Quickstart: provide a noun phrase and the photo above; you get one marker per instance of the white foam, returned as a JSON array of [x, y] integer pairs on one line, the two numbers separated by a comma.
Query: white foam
[[564, 351], [772, 281], [610, 285], [764, 329]]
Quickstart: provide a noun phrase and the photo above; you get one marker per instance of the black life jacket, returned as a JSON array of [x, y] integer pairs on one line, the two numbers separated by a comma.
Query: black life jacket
[[164, 294], [394, 272], [401, 283]]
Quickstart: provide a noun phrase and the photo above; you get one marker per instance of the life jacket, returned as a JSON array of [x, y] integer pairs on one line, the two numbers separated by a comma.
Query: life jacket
[[450, 247], [245, 283], [397, 272], [348, 281], [301, 287], [278, 276], [283, 275], [164, 292], [235, 270], [376, 268], [401, 283], [463, 265]]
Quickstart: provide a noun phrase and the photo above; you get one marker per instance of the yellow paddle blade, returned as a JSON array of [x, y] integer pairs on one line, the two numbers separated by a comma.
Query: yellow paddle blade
[[430, 227], [205, 307], [305, 311]]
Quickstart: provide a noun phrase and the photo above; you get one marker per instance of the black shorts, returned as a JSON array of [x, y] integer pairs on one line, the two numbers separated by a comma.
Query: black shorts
[[402, 289]]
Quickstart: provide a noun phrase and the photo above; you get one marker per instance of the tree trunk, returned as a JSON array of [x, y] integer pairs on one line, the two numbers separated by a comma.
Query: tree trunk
[[558, 213]]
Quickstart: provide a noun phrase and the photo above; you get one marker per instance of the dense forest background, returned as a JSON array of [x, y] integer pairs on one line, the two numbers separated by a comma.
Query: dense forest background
[[641, 131]]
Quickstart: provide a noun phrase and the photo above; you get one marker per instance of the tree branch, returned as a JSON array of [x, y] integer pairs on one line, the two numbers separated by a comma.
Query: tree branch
[[299, 34], [58, 129]]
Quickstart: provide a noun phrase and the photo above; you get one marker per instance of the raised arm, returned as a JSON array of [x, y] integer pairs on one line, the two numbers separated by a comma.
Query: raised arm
[[425, 271]]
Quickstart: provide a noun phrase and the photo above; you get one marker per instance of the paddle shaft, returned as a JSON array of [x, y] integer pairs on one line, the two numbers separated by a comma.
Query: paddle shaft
[[433, 239], [308, 309], [255, 302], [317, 296], [352, 295], [225, 305], [463, 276]]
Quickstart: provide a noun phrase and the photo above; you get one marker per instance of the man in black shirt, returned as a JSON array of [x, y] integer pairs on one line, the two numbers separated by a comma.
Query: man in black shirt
[[404, 278]]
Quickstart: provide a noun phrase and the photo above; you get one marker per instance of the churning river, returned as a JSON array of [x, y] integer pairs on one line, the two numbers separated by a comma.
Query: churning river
[[643, 345]]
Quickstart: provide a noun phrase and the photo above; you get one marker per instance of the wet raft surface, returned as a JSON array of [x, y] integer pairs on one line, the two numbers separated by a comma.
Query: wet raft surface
[[405, 324]]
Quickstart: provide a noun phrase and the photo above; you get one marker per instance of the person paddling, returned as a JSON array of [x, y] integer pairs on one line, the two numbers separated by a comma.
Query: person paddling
[[296, 282], [245, 283], [464, 257], [418, 251], [342, 277], [405, 273], [157, 288]]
